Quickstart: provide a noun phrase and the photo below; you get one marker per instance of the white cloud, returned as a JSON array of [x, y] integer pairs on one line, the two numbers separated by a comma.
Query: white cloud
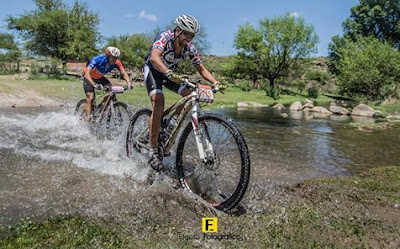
[[295, 14], [150, 17], [142, 15]]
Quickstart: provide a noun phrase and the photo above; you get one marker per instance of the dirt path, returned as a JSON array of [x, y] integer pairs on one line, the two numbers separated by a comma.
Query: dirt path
[[17, 95]]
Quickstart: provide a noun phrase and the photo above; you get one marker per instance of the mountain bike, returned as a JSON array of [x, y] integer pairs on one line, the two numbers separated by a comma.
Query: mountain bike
[[212, 158], [110, 111]]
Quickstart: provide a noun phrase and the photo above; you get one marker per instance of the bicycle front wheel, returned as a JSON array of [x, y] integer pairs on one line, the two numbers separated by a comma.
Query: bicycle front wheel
[[80, 109], [222, 178], [138, 133]]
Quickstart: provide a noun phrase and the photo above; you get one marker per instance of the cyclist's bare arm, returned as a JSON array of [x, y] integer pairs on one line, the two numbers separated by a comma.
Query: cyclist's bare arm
[[205, 73], [156, 61], [88, 77], [126, 77]]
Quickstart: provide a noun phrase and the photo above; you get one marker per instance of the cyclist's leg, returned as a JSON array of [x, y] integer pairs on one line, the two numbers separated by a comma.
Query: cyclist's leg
[[179, 89], [154, 89], [89, 92]]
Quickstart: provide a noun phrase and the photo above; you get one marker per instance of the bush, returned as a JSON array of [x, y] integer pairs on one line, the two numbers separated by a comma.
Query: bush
[[368, 67], [272, 92], [244, 86], [318, 76], [301, 86], [312, 92]]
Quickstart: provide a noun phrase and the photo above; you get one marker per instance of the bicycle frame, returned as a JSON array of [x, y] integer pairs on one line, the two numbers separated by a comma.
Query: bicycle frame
[[107, 100], [189, 103]]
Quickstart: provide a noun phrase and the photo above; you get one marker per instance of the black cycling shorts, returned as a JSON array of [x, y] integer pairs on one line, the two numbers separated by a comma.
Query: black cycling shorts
[[89, 87], [155, 80]]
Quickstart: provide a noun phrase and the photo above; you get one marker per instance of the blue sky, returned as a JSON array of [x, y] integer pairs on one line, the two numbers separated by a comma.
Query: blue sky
[[221, 19]]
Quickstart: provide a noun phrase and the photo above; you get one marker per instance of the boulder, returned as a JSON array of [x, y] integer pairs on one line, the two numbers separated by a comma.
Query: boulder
[[393, 118], [320, 109], [279, 106], [296, 106], [338, 110], [308, 104], [363, 110]]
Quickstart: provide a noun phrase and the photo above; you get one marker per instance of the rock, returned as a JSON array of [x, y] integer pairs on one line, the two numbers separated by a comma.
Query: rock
[[363, 110], [393, 118], [308, 104], [279, 106], [296, 106], [284, 115], [320, 109], [378, 114], [247, 104], [338, 110]]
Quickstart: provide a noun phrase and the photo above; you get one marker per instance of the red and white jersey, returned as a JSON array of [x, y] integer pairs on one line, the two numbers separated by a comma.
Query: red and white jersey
[[164, 42]]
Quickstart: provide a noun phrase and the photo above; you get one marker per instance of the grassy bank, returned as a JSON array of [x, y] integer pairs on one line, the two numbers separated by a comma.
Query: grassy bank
[[73, 91], [344, 212]]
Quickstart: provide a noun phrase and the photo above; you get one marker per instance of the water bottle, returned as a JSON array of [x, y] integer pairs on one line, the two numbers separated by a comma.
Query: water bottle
[[171, 125]]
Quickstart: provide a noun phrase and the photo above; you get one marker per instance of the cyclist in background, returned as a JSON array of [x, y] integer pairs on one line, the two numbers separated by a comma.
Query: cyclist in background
[[94, 73], [168, 48]]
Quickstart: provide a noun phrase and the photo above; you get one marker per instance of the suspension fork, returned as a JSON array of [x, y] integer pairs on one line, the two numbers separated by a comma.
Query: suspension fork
[[199, 136]]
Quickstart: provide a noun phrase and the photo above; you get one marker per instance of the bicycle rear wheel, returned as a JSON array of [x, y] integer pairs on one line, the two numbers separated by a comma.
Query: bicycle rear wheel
[[223, 179], [137, 136]]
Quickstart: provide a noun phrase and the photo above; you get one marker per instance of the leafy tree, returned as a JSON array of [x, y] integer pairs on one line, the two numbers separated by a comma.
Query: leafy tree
[[369, 68], [9, 51], [82, 33], [56, 31], [133, 48], [274, 48], [378, 18]]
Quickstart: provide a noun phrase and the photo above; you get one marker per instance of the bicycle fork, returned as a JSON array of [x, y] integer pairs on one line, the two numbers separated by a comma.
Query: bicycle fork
[[206, 152]]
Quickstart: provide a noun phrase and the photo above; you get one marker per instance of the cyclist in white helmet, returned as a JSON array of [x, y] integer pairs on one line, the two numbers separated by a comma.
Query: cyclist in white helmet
[[94, 73], [168, 48]]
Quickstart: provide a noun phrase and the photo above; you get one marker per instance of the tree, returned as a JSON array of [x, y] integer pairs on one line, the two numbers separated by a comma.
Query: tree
[[277, 46], [56, 31], [82, 33], [378, 18], [369, 68], [9, 52], [133, 48]]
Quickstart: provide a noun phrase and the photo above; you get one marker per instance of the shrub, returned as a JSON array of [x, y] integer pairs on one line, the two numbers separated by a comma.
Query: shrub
[[272, 92], [244, 86], [312, 92], [318, 76]]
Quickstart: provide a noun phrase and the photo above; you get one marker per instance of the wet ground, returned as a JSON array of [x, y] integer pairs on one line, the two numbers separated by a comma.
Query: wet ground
[[52, 164]]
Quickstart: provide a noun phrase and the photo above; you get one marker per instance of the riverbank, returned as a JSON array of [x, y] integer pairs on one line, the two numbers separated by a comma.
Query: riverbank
[[17, 91], [343, 212]]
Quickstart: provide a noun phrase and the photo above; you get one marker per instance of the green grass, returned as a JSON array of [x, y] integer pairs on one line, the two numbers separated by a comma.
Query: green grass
[[60, 232]]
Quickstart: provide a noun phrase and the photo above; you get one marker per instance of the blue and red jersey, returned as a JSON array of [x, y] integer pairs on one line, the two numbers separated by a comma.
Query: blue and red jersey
[[100, 66], [164, 42]]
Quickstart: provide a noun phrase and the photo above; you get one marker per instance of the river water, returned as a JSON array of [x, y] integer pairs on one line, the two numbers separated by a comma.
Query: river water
[[50, 161]]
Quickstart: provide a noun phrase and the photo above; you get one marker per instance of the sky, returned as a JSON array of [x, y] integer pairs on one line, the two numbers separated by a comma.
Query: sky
[[220, 18]]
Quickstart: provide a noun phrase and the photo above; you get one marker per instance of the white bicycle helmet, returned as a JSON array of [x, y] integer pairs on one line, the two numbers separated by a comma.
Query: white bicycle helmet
[[187, 23], [113, 51]]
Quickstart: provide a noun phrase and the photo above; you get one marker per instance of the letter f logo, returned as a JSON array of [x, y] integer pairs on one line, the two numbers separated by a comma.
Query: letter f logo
[[209, 225]]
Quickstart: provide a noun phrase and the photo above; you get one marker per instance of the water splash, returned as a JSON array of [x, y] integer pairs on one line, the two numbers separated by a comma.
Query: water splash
[[60, 136]]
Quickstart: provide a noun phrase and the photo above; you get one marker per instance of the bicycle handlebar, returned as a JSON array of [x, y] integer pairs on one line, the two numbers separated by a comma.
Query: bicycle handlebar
[[193, 86], [119, 90]]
